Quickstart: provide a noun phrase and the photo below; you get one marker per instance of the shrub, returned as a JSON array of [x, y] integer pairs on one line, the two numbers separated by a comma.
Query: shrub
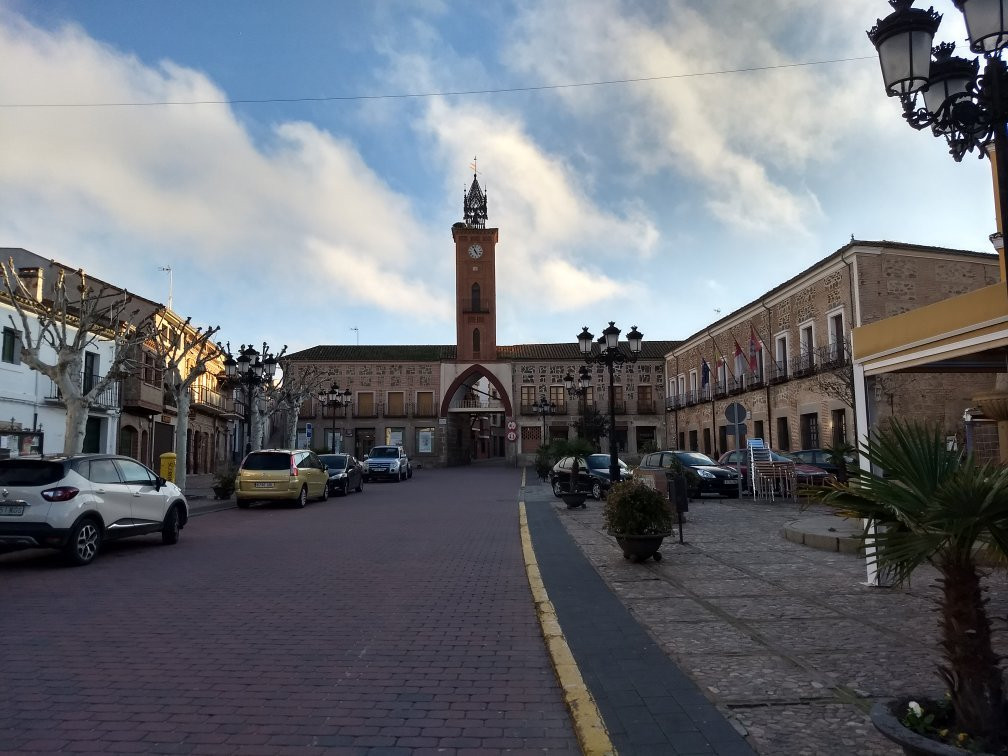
[[633, 508]]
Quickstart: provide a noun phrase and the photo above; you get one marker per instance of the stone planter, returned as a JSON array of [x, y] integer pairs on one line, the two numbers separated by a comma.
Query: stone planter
[[223, 492], [887, 722], [639, 548], [574, 500]]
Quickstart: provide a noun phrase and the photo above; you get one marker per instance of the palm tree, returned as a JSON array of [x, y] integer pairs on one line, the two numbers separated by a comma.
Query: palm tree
[[932, 507]]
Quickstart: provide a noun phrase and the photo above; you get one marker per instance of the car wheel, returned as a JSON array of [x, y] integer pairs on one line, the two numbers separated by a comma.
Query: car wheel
[[596, 490], [409, 472], [325, 491], [302, 499], [399, 477], [85, 540], [171, 527], [556, 488]]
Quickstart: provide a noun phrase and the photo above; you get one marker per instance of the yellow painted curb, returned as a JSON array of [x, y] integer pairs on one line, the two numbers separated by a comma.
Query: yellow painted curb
[[588, 726]]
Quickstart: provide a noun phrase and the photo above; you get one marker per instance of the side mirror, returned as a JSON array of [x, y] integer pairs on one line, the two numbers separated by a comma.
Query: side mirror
[[365, 457], [159, 482]]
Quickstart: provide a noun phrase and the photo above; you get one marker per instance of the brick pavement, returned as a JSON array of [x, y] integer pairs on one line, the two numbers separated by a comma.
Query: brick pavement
[[390, 622]]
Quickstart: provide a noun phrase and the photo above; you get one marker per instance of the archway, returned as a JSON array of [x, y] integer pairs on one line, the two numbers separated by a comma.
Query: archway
[[475, 406]]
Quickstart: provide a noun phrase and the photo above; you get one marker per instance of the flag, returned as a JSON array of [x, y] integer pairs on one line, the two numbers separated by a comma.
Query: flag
[[704, 372], [752, 348], [738, 350]]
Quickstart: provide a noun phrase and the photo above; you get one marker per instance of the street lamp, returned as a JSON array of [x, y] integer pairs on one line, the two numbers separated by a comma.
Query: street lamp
[[335, 398], [578, 391], [544, 407], [246, 374], [949, 94], [610, 355]]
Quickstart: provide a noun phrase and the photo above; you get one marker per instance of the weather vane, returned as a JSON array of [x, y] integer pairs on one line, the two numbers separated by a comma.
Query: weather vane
[[473, 166]]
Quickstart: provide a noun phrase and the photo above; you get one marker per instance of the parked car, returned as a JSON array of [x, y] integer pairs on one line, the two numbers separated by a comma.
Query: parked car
[[345, 472], [821, 458], [387, 462], [703, 474], [295, 475], [75, 503], [593, 474], [805, 474]]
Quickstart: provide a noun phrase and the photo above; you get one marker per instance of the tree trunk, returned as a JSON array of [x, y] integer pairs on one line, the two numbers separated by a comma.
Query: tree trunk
[[182, 401], [256, 431], [971, 667], [76, 423], [291, 429]]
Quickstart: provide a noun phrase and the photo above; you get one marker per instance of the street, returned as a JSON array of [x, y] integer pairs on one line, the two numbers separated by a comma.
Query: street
[[397, 620]]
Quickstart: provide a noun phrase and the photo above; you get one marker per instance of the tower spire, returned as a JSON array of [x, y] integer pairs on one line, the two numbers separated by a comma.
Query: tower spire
[[474, 203]]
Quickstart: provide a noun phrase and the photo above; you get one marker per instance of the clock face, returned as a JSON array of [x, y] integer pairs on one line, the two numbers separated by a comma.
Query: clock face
[[475, 251]]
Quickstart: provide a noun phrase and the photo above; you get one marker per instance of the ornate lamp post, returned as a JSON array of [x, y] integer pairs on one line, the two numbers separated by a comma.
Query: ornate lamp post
[[246, 374], [544, 407], [969, 109], [334, 398], [580, 390], [610, 355]]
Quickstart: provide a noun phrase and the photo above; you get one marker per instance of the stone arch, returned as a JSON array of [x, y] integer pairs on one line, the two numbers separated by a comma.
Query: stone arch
[[477, 371]]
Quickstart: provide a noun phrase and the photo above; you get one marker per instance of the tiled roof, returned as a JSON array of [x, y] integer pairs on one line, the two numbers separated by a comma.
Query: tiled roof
[[650, 350]]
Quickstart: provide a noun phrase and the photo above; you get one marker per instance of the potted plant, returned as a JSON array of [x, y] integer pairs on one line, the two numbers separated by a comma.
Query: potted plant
[[224, 481], [639, 517], [925, 505]]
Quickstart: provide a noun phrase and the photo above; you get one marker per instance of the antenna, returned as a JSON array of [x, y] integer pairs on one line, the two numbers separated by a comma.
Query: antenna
[[357, 331], [171, 283]]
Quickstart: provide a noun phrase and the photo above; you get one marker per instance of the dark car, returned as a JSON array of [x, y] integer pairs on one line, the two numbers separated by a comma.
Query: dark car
[[345, 473], [822, 458], [805, 475], [593, 474], [703, 474]]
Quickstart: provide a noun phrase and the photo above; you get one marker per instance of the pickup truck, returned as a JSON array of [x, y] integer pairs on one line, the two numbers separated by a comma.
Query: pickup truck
[[387, 462]]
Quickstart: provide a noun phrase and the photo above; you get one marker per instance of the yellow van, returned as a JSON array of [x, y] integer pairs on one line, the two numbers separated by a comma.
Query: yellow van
[[295, 475]]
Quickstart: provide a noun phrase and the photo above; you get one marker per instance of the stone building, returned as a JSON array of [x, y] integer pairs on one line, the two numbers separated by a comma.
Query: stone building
[[786, 358], [475, 399]]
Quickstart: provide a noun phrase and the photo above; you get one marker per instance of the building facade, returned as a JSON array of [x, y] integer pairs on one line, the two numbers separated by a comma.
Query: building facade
[[786, 356]]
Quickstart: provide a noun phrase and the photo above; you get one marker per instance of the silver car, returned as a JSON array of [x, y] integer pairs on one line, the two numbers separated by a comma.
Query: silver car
[[75, 503]]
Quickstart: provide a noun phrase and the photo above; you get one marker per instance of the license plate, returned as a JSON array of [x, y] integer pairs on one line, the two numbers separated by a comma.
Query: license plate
[[264, 485], [12, 510]]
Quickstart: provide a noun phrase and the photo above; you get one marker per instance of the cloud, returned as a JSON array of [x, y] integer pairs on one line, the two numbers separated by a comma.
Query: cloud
[[188, 183]]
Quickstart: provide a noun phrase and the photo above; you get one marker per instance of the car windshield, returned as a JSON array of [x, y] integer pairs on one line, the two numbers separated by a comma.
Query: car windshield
[[267, 461], [693, 459], [385, 451], [601, 462], [333, 460], [29, 472]]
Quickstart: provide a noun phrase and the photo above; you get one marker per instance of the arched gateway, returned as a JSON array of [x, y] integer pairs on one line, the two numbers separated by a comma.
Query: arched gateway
[[476, 406]]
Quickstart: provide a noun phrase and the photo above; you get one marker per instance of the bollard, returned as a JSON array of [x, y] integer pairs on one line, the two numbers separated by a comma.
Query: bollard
[[167, 470], [679, 496]]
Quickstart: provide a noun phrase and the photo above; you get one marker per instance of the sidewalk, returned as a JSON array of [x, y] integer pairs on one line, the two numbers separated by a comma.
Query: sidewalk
[[199, 493], [784, 639]]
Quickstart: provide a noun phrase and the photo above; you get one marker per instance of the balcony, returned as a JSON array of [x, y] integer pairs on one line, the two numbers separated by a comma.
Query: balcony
[[206, 399], [365, 411], [482, 403], [832, 356], [476, 308], [107, 399], [805, 365], [645, 407], [423, 409], [778, 372], [141, 397]]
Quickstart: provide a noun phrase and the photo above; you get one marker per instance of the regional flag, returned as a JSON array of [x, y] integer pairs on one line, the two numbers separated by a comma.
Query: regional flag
[[752, 348]]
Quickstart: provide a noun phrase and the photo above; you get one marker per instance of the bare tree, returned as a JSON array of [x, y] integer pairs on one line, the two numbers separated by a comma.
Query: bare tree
[[296, 385], [68, 321], [184, 353], [835, 377]]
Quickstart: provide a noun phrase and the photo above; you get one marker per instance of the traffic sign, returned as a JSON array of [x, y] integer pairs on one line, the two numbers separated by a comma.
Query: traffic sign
[[308, 430], [512, 436], [512, 425], [736, 413]]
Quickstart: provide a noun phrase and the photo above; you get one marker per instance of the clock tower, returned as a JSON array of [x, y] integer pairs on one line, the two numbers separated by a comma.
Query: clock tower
[[475, 280]]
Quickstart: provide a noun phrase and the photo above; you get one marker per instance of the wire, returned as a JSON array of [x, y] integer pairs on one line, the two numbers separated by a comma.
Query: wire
[[419, 95]]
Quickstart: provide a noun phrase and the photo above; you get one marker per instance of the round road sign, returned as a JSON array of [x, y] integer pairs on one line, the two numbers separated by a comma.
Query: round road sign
[[512, 436]]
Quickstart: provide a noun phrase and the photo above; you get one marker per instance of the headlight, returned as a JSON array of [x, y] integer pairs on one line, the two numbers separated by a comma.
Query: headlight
[[365, 465], [394, 465], [705, 474]]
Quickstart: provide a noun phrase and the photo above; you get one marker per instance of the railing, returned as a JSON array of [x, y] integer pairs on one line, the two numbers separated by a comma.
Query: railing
[[207, 397], [373, 411], [805, 365], [832, 356], [422, 411], [484, 403], [778, 372], [720, 388], [645, 407], [400, 411], [107, 399]]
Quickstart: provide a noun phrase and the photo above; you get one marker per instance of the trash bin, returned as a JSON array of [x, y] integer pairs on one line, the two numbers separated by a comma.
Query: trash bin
[[677, 493], [167, 470]]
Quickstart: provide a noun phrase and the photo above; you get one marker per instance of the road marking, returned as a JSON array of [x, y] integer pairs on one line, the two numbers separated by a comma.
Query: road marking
[[588, 725]]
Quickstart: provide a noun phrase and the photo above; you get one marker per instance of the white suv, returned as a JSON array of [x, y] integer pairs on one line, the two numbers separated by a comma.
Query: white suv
[[387, 462], [74, 503]]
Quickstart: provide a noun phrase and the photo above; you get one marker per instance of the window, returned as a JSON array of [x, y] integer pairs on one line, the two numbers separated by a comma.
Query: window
[[781, 355], [618, 399], [476, 341], [839, 427], [723, 438], [646, 438], [707, 441], [11, 346], [758, 429], [783, 434], [90, 370], [645, 400], [365, 404], [806, 344], [135, 473], [149, 373], [693, 385], [425, 403], [558, 396], [836, 336], [396, 406], [475, 298], [425, 440], [528, 398], [103, 471], [394, 437], [810, 430], [693, 441], [682, 440]]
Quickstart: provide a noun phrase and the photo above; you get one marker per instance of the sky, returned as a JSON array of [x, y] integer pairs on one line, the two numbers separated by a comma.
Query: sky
[[298, 166]]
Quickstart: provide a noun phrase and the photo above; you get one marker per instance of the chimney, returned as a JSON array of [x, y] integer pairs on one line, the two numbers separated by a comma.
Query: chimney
[[32, 279]]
